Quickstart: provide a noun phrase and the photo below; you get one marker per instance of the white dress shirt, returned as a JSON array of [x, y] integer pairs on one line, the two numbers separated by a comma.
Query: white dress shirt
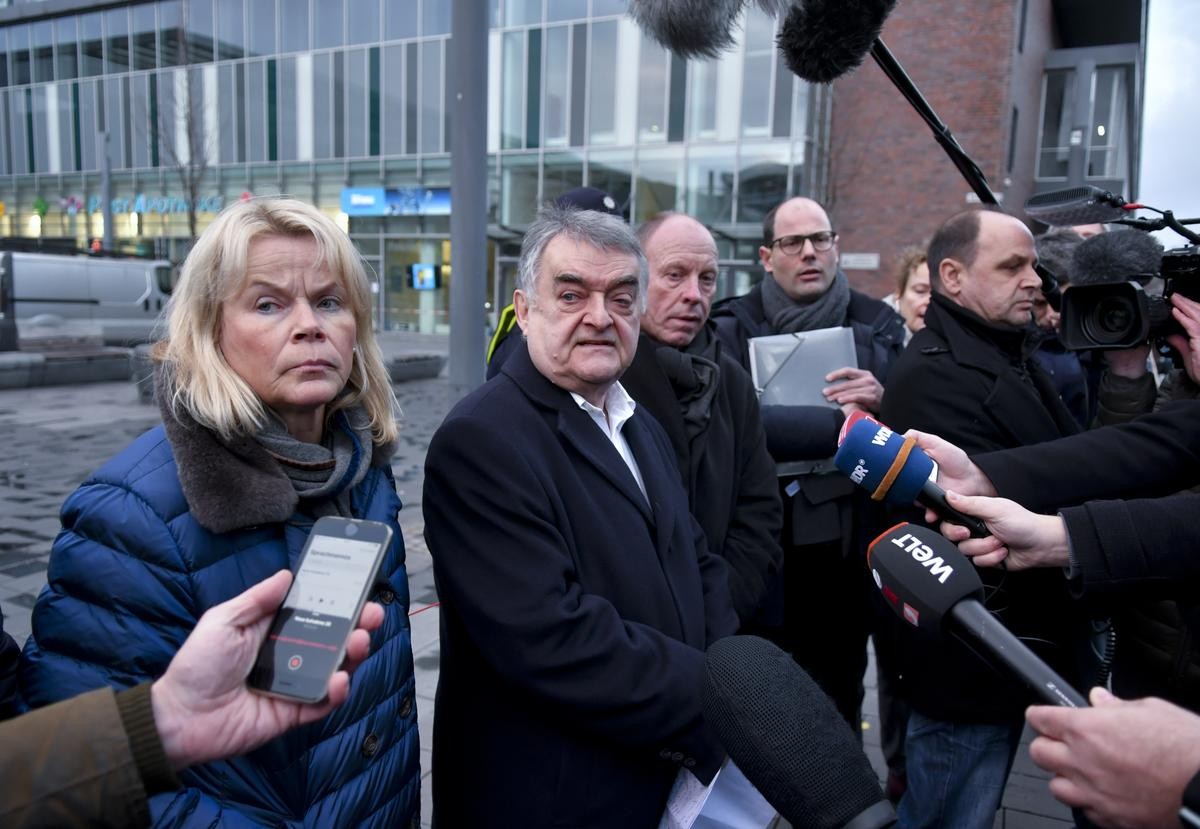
[[618, 408]]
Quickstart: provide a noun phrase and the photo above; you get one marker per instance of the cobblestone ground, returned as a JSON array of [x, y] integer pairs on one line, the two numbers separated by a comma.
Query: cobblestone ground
[[52, 438]]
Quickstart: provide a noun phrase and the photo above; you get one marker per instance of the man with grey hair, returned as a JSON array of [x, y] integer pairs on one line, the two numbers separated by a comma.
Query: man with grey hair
[[577, 592]]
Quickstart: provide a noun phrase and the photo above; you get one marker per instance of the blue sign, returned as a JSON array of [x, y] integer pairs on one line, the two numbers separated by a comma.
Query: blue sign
[[393, 201], [425, 276]]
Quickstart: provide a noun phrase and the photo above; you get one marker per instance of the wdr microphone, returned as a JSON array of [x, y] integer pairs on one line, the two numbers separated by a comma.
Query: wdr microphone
[[896, 470], [932, 586], [788, 739]]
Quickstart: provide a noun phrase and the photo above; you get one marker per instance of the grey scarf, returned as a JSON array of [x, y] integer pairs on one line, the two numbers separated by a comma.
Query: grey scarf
[[787, 316], [323, 473], [693, 373]]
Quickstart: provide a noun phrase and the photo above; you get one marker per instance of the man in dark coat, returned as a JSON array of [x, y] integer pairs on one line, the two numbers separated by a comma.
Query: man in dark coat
[[968, 376], [706, 402], [827, 522], [578, 595]]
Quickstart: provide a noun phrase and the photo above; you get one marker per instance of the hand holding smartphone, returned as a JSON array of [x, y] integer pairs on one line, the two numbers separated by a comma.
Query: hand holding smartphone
[[307, 639]]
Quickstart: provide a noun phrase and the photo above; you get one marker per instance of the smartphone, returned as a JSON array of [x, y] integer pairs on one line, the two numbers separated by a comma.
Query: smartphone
[[307, 638]]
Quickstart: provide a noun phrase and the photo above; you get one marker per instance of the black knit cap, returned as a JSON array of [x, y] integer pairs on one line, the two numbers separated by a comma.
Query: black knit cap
[[589, 198]]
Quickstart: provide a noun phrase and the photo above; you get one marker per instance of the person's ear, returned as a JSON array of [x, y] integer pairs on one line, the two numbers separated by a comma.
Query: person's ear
[[764, 257], [521, 307], [951, 273]]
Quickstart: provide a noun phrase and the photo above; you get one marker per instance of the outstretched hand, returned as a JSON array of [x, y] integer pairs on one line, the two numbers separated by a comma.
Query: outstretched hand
[[202, 707], [1020, 539], [956, 471], [1187, 313]]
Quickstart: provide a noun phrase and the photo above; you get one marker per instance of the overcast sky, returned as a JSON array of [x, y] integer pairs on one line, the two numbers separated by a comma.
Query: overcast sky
[[1170, 174]]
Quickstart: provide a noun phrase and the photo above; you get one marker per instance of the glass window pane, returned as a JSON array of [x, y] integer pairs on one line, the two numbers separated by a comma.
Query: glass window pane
[[91, 49], [142, 37], [88, 128], [566, 9], [522, 12], [261, 30], [602, 128], [652, 91], [116, 28], [560, 172], [322, 107], [200, 29], [3, 78], [400, 18], [512, 91], [1058, 98], [411, 98], [612, 173], [762, 180], [658, 183], [67, 48], [702, 106], [364, 21], [1107, 144], [171, 47], [431, 97], [356, 125], [710, 174], [139, 110], [18, 49], [286, 110], [756, 76], [41, 36], [518, 189], [435, 17], [293, 15], [231, 27], [327, 23], [393, 100], [226, 108], [600, 7], [558, 105], [256, 113]]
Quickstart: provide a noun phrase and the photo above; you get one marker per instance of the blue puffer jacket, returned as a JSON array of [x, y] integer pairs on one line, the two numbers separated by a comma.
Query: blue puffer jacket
[[164, 531]]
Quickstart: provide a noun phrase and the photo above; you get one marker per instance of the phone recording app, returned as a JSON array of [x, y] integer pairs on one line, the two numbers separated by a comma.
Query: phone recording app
[[307, 636]]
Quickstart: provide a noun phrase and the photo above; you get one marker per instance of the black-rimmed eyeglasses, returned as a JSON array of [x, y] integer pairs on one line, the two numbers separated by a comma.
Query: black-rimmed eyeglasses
[[821, 242]]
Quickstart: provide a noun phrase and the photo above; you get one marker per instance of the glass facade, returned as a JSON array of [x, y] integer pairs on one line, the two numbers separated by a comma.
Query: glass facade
[[311, 97]]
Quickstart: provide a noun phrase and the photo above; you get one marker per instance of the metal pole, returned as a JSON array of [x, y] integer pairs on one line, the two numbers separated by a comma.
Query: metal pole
[[106, 191], [467, 62]]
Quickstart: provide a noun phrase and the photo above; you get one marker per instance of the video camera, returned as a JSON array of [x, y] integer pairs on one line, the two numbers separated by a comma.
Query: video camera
[[1121, 282]]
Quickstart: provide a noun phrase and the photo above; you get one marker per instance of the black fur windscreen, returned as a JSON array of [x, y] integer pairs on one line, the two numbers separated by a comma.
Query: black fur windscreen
[[1116, 256], [824, 39], [786, 736], [696, 28]]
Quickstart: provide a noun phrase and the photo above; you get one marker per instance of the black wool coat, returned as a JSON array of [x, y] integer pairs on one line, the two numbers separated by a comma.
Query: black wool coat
[[574, 614]]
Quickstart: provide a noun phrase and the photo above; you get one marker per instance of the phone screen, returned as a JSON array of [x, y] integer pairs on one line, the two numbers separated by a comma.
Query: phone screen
[[306, 640]]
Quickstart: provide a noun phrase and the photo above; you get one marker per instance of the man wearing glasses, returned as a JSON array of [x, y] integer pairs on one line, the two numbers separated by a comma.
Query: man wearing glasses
[[826, 522]]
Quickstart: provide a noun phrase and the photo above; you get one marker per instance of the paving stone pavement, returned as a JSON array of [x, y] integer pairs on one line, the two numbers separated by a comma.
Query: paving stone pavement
[[53, 437]]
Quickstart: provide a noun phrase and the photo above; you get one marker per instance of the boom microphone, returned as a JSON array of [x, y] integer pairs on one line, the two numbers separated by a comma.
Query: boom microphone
[[1076, 206], [894, 469], [824, 39], [932, 586], [1118, 256], [788, 739]]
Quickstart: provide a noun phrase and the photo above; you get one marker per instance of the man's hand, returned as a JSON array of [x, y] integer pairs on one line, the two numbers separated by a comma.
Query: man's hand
[[955, 469], [858, 387], [202, 707], [1128, 362], [1125, 764], [1187, 313], [1020, 539]]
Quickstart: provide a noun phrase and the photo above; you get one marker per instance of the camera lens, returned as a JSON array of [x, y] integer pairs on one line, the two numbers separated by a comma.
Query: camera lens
[[351, 530], [1111, 320]]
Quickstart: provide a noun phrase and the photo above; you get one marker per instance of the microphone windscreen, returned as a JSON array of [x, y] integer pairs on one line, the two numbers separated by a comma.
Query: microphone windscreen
[[851, 419], [921, 574], [1117, 256], [867, 454], [785, 734], [824, 39], [689, 28]]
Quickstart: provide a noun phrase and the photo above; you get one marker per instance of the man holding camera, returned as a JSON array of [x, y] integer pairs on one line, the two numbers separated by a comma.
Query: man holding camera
[[968, 375]]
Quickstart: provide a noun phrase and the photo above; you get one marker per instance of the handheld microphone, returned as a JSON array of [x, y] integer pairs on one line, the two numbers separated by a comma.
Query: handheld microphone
[[896, 470], [932, 586], [824, 39], [1116, 257], [1076, 206], [788, 739]]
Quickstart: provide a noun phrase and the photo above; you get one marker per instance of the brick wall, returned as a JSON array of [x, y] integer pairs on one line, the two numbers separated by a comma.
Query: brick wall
[[891, 184]]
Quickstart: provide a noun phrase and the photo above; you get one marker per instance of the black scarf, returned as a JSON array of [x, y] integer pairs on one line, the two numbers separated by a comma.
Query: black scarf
[[693, 373]]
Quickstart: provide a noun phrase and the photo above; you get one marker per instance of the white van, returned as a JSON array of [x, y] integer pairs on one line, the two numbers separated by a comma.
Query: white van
[[121, 299]]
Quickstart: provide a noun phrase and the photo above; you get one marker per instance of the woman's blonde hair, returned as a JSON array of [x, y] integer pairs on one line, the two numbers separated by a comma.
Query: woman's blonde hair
[[200, 381]]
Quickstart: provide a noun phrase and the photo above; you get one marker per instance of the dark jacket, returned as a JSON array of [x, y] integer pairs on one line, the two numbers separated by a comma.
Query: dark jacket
[[574, 614], [167, 529], [10, 655], [729, 476], [971, 383], [1068, 375], [822, 504]]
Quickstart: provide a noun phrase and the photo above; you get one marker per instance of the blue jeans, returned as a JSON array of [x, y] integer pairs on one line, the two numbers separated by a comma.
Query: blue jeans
[[956, 772]]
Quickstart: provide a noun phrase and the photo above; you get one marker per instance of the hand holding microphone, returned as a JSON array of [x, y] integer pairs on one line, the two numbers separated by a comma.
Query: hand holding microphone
[[1019, 539], [894, 469]]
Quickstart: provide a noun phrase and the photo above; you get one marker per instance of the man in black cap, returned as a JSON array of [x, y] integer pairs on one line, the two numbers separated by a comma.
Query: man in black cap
[[501, 346]]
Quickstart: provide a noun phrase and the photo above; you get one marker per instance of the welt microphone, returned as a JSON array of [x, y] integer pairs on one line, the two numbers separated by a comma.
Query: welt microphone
[[894, 469], [932, 586], [788, 739]]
